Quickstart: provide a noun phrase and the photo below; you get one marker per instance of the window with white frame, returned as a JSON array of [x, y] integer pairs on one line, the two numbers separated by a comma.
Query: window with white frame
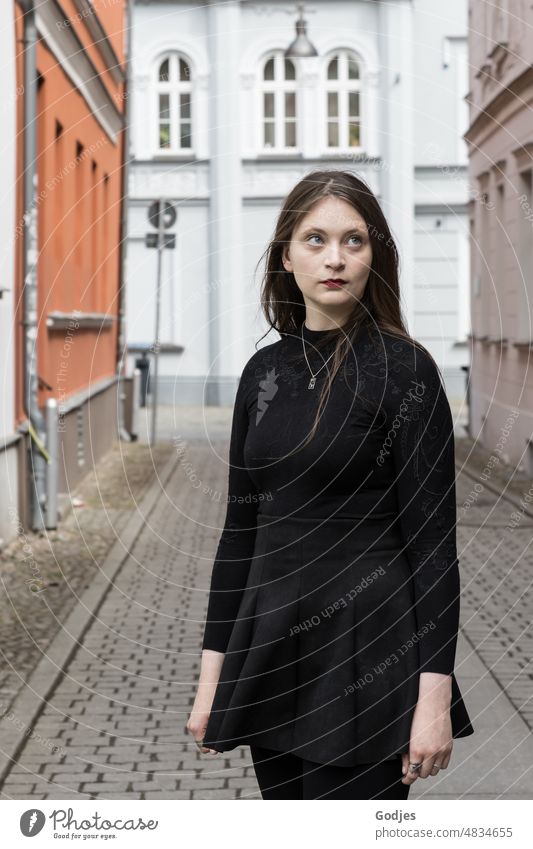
[[278, 103], [174, 128], [343, 100]]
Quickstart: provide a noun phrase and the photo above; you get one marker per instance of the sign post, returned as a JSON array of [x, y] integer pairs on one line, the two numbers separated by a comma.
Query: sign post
[[161, 214], [160, 249]]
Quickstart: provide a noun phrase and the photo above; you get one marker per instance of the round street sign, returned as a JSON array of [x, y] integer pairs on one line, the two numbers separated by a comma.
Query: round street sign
[[169, 214]]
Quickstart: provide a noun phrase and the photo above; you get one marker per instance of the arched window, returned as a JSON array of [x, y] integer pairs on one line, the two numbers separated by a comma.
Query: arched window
[[174, 130], [278, 103], [343, 100]]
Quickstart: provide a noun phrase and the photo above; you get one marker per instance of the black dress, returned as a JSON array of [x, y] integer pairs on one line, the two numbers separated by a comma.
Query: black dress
[[336, 579]]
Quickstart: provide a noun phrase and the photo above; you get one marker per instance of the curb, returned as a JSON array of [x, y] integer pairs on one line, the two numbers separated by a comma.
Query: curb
[[31, 701]]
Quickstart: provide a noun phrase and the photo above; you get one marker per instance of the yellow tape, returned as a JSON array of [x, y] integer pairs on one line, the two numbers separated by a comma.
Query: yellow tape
[[39, 444]]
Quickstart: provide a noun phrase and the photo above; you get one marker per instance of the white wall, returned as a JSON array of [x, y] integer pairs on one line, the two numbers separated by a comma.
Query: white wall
[[441, 81], [441, 249]]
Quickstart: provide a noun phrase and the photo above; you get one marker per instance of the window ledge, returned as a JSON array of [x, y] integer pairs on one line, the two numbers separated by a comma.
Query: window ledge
[[487, 340], [148, 348], [279, 154], [183, 157], [58, 320], [356, 153]]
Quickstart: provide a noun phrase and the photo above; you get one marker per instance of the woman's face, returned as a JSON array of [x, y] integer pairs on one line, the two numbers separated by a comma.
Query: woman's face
[[331, 241]]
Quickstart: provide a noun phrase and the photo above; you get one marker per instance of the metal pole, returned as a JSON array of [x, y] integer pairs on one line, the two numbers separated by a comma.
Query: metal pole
[[135, 403], [160, 248], [122, 292], [38, 464], [51, 477]]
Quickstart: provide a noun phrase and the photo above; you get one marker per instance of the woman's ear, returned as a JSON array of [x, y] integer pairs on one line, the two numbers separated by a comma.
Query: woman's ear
[[286, 261]]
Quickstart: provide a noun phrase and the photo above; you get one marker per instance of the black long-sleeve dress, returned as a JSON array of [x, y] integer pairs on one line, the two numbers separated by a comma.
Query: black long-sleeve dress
[[336, 579]]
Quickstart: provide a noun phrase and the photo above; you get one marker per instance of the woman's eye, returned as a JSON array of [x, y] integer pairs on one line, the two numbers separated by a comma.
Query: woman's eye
[[353, 236]]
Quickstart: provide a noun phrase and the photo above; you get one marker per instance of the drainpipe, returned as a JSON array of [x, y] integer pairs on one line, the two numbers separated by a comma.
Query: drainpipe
[[38, 471], [121, 343]]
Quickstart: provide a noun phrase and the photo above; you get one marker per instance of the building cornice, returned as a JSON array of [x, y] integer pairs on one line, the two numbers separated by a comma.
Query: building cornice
[[89, 15], [508, 95], [68, 50], [523, 155]]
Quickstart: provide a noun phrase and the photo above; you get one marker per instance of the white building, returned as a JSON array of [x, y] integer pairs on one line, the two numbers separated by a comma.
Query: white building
[[223, 127]]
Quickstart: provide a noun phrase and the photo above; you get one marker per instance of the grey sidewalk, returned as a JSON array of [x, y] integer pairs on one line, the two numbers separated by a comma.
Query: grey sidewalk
[[119, 685]]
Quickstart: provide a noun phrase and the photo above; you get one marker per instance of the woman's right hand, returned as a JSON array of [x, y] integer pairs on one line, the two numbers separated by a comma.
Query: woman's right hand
[[210, 667], [196, 725]]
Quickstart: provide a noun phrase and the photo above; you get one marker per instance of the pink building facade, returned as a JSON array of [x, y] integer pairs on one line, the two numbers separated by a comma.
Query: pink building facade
[[500, 140]]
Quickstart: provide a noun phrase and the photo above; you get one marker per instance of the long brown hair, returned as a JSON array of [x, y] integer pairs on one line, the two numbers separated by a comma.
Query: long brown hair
[[281, 299]]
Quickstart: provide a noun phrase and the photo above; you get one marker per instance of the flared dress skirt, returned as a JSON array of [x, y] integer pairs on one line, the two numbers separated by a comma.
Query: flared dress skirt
[[323, 658]]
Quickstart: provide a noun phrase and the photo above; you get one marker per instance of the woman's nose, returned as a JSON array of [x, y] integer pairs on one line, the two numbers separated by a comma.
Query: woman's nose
[[335, 255]]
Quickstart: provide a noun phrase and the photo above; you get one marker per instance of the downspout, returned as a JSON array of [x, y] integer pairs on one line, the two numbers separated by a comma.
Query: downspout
[[121, 342], [38, 471]]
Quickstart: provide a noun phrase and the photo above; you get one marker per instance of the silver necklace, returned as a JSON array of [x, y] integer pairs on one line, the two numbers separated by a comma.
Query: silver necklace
[[313, 376]]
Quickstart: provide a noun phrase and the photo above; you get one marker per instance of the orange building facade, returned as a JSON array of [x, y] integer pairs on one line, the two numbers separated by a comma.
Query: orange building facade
[[79, 126]]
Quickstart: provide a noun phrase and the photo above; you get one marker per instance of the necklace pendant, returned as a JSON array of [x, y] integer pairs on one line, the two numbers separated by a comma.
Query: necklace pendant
[[312, 383]]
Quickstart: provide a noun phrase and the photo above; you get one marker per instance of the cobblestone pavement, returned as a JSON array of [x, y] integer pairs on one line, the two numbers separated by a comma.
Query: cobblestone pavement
[[496, 553], [113, 727], [43, 575]]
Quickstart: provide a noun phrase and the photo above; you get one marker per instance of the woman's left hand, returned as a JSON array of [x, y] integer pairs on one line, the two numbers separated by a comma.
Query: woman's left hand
[[431, 740]]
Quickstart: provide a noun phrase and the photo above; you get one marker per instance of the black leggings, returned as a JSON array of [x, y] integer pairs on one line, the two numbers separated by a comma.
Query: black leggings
[[282, 775]]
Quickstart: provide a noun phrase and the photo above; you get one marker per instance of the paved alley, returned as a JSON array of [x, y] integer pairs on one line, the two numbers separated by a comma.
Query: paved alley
[[108, 702]]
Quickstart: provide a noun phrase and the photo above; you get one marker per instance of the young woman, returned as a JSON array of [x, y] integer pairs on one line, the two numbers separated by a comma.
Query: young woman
[[329, 646]]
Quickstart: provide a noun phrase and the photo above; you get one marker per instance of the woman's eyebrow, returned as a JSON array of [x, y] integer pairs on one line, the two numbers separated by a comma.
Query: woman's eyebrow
[[320, 230]]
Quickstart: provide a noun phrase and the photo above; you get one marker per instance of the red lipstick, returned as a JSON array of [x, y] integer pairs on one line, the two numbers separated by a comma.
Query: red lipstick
[[334, 283]]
